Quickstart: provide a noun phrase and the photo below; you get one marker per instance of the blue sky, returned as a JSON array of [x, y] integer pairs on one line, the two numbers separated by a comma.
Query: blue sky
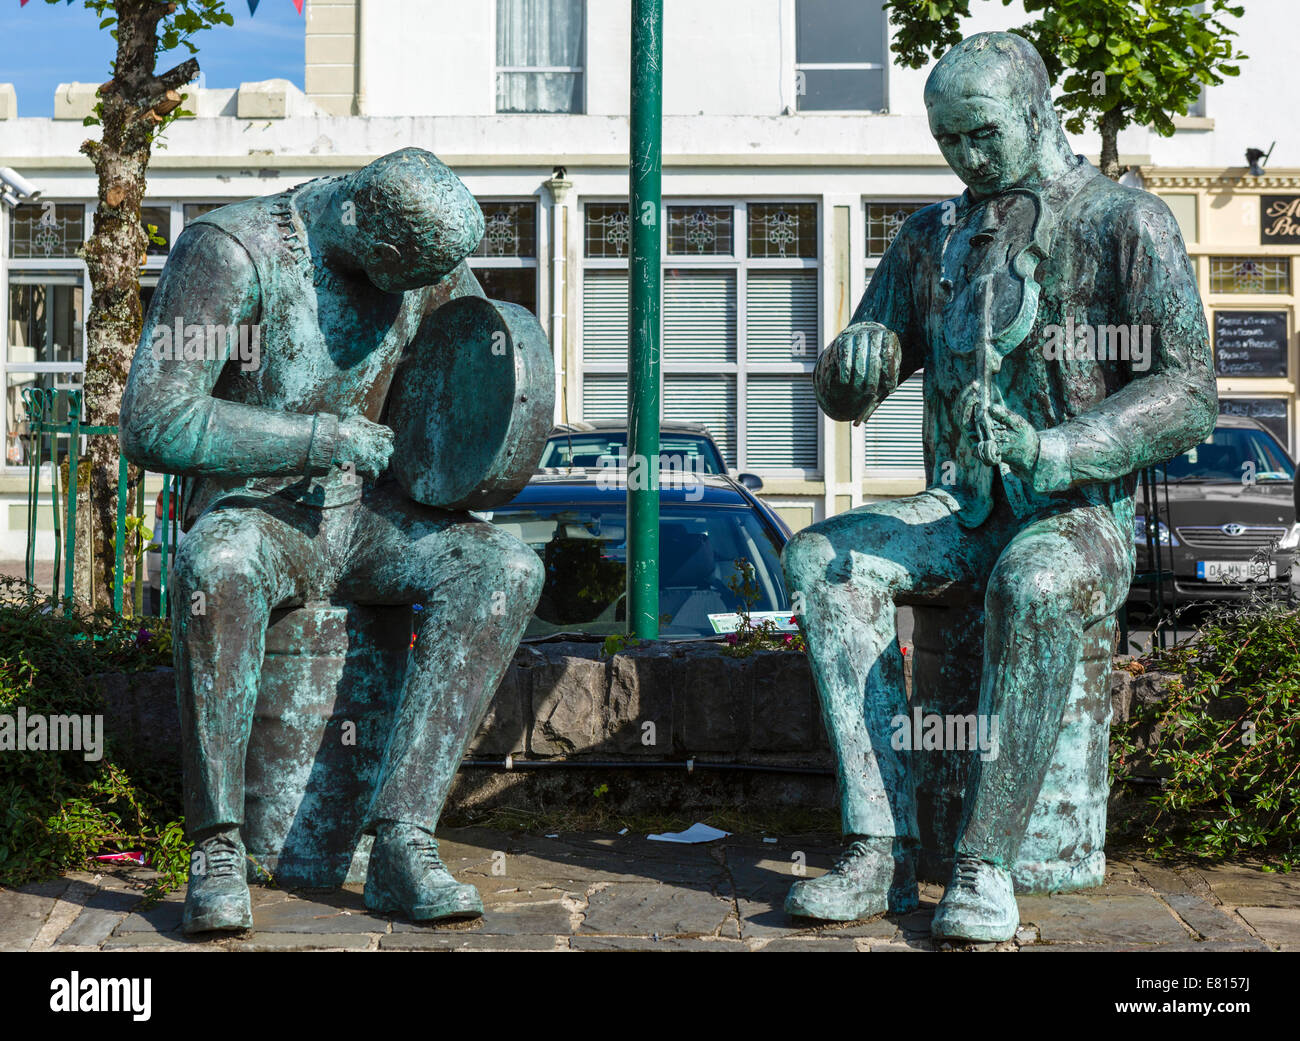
[[43, 45]]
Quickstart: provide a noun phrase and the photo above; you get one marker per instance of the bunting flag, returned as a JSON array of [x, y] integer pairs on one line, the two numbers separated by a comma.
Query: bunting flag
[[252, 6]]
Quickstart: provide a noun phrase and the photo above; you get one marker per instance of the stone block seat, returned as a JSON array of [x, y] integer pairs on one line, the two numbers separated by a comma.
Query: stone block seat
[[1064, 846], [331, 677]]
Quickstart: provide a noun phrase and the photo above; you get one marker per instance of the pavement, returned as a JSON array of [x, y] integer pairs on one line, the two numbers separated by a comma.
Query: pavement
[[601, 892]]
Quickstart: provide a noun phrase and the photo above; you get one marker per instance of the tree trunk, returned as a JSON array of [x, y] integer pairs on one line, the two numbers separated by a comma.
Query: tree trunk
[[1109, 126], [134, 103]]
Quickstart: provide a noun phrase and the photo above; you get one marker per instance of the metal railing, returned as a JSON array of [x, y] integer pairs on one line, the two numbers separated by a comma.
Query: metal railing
[[45, 430]]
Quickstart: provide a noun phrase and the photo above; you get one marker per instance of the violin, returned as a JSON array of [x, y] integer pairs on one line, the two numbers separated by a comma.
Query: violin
[[989, 267]]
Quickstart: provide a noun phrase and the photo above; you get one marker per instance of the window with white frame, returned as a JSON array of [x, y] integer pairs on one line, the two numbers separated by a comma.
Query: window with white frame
[[505, 261], [45, 312], [740, 321], [892, 436], [540, 46], [47, 300], [840, 56]]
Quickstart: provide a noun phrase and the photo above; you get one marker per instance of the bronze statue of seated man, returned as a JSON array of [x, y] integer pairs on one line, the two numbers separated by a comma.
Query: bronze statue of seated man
[[285, 502], [1031, 452]]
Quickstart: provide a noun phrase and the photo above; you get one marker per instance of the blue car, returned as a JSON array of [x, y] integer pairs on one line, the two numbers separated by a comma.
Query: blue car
[[576, 521]]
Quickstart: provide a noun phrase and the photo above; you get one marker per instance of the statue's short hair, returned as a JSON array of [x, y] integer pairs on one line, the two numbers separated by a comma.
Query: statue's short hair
[[412, 200], [1005, 65]]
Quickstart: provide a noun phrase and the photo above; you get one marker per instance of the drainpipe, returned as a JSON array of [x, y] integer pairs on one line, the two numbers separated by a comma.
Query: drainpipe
[[559, 188], [361, 61]]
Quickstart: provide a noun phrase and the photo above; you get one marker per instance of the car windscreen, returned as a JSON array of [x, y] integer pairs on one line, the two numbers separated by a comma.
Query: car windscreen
[[1232, 454], [584, 549], [689, 452]]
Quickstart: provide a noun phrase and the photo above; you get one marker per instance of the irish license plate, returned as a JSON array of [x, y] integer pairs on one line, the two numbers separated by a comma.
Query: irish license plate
[[1234, 572]]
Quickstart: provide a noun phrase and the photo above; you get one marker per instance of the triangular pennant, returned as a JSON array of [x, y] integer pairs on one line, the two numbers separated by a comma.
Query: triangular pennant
[[298, 4], [252, 7]]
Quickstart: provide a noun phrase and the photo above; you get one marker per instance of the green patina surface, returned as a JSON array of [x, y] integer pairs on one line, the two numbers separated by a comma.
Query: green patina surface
[[345, 295], [1020, 550]]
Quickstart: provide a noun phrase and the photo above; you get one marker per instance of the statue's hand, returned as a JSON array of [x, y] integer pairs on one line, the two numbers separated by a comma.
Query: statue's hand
[[363, 445], [847, 377], [1016, 438]]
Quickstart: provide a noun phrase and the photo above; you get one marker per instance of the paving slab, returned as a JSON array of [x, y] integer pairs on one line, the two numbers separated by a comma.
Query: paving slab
[[649, 909], [1238, 885], [790, 944], [163, 918], [305, 942], [1278, 925], [1101, 916], [645, 943], [23, 912], [452, 941], [312, 916]]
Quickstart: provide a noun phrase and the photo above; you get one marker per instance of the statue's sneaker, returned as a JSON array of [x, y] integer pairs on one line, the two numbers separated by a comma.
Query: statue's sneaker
[[217, 895], [406, 874], [979, 904], [868, 879]]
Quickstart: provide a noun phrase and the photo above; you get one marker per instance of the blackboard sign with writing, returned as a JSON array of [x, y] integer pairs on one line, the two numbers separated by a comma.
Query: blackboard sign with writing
[[1279, 220], [1268, 412], [1250, 343]]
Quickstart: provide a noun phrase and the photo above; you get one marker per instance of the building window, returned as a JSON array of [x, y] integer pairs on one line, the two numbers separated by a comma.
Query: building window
[[884, 219], [192, 211], [505, 260], [892, 436], [778, 229], [607, 230], [700, 230], [157, 221], [840, 52], [1250, 275], [44, 346], [46, 230], [740, 326], [540, 46]]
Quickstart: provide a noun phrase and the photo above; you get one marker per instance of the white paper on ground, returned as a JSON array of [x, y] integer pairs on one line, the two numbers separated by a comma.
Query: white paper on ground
[[695, 833]]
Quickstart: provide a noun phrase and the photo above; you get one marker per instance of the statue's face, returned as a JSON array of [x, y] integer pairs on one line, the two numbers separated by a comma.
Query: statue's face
[[986, 140]]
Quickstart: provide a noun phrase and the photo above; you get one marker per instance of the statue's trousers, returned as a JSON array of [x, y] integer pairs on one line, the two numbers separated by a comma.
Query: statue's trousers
[[476, 585], [1043, 579]]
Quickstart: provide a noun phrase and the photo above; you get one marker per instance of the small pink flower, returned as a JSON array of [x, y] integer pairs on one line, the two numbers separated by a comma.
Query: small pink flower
[[733, 638]]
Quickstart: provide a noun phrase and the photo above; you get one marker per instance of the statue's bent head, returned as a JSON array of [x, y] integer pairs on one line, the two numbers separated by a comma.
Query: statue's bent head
[[990, 108], [416, 219]]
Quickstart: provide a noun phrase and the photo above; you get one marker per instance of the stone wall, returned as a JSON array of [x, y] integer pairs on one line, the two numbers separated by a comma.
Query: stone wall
[[750, 729]]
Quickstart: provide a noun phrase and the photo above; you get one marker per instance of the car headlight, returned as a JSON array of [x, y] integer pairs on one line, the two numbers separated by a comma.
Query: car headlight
[[1291, 540], [1164, 537]]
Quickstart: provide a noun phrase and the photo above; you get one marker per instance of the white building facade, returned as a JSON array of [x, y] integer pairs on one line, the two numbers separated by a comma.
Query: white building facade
[[792, 151]]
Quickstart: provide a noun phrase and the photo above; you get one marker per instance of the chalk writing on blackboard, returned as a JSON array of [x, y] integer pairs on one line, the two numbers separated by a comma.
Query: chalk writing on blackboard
[[1271, 413], [1250, 343]]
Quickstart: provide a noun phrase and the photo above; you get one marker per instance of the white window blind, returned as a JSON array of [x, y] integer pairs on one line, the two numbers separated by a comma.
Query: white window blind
[[781, 316], [710, 400], [699, 316], [893, 433], [780, 422], [604, 317], [604, 397]]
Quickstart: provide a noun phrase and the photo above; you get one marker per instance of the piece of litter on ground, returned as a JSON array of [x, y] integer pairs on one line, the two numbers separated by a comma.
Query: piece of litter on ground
[[623, 832], [134, 858], [766, 839], [555, 836], [695, 833]]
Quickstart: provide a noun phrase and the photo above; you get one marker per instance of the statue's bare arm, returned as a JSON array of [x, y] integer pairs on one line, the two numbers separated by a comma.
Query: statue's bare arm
[[170, 420]]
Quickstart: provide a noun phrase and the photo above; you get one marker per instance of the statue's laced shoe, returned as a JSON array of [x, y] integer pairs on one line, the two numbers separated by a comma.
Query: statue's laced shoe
[[217, 895], [870, 878], [406, 874], [979, 904]]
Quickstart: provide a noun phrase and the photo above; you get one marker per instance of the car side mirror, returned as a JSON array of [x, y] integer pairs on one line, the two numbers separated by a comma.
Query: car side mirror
[[751, 481]]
